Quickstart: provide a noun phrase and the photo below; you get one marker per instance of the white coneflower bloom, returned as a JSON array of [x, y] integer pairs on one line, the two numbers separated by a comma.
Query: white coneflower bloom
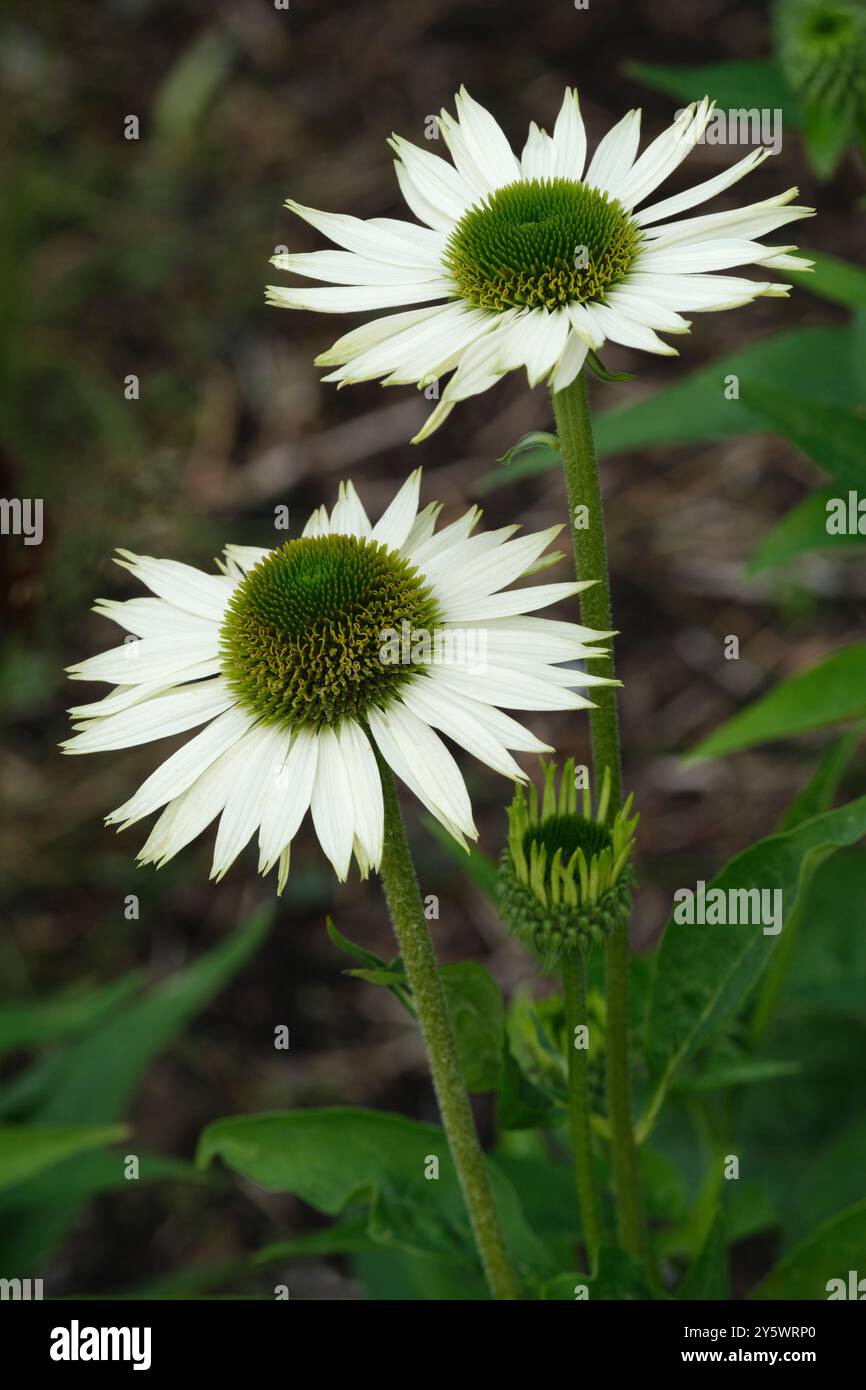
[[539, 259], [287, 657]]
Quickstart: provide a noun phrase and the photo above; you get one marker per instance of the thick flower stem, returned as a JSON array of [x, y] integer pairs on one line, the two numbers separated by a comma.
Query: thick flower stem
[[580, 466], [572, 969], [416, 949]]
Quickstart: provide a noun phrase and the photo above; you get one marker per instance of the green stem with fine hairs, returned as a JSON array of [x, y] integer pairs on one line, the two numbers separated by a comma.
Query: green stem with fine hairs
[[580, 466], [410, 928], [572, 970]]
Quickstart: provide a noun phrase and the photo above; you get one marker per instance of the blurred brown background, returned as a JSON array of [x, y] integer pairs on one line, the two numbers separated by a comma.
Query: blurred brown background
[[150, 257]]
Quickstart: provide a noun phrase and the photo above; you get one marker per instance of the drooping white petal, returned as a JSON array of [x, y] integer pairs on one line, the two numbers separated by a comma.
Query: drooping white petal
[[187, 815], [345, 268], [571, 360], [289, 798], [508, 687], [158, 717], [457, 721], [266, 751], [511, 603], [395, 243], [370, 335], [149, 660], [350, 299], [366, 787], [151, 617], [620, 328], [407, 744], [204, 595], [750, 222], [535, 341], [508, 731], [332, 804], [179, 771]]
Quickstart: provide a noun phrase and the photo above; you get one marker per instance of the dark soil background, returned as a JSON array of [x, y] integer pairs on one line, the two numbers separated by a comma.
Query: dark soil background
[[150, 257]]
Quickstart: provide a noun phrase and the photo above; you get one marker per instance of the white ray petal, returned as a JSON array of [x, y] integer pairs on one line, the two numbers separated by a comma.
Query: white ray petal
[[266, 748], [438, 182], [569, 137], [345, 268], [702, 192], [395, 243], [469, 171], [538, 159], [348, 517], [151, 617], [366, 787], [615, 155], [509, 688], [289, 799], [351, 299], [204, 595], [187, 815], [458, 721], [396, 521], [332, 805], [492, 570], [406, 743], [620, 328], [571, 360], [375, 332], [178, 772], [485, 141], [158, 717], [513, 602], [246, 557], [149, 660], [664, 155]]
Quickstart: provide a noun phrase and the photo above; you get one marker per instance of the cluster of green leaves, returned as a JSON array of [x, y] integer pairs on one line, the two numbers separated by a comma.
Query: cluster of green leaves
[[77, 1060]]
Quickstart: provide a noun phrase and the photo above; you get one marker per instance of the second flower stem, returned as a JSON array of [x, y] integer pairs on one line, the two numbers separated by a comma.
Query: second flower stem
[[572, 969], [580, 466], [416, 948]]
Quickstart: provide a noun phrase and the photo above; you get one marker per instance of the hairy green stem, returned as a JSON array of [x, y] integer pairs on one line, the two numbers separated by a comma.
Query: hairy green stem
[[416, 949], [580, 466], [572, 970]]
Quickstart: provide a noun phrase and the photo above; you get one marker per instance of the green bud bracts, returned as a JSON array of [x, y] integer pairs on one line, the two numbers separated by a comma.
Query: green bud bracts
[[565, 879]]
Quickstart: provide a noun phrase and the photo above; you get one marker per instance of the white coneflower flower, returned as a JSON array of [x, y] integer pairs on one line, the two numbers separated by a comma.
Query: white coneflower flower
[[539, 259], [287, 657]]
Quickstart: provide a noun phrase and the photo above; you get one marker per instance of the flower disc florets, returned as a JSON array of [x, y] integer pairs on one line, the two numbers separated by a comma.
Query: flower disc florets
[[541, 243], [302, 638], [565, 879]]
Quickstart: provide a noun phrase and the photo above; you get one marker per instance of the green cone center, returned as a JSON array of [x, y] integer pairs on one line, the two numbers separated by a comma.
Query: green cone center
[[307, 639], [541, 243], [568, 833]]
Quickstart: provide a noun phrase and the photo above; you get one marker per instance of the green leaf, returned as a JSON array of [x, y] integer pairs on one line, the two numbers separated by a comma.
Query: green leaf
[[832, 437], [755, 83], [477, 1015], [349, 948], [842, 282], [828, 969], [26, 1150], [802, 530], [826, 133], [597, 367], [522, 1104], [828, 1254], [831, 1182], [719, 1074], [536, 442], [832, 692], [820, 791], [337, 1157], [93, 1079], [704, 973], [708, 1277], [74, 1011], [697, 410], [619, 1277]]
